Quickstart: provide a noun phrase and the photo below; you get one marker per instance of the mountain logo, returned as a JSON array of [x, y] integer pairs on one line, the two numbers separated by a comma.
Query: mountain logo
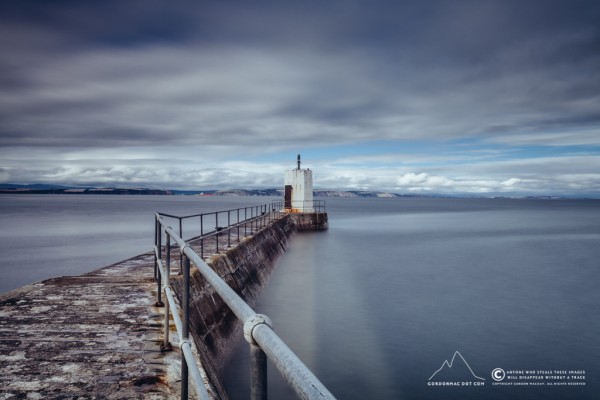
[[456, 369]]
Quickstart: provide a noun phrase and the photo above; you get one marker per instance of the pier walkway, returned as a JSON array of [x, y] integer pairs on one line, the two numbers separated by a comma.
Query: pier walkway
[[99, 335], [94, 336]]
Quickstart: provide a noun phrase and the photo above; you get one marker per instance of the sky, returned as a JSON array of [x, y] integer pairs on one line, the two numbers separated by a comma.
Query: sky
[[448, 97]]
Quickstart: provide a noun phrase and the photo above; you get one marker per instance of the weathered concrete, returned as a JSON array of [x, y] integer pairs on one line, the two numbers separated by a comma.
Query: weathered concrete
[[311, 221], [94, 336]]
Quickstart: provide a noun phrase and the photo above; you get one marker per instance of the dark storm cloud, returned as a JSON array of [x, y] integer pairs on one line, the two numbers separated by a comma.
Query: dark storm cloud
[[224, 79]]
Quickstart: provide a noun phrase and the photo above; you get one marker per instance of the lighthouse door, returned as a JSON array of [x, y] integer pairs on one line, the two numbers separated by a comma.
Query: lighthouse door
[[287, 198]]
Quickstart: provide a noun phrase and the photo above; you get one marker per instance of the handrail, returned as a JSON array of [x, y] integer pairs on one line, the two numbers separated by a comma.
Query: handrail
[[264, 342], [252, 216], [254, 211], [188, 359]]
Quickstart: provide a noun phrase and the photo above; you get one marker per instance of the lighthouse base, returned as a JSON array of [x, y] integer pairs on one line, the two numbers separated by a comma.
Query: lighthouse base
[[310, 221]]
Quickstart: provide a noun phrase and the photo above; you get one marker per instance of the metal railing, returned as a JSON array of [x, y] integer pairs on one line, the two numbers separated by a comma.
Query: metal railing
[[302, 206], [264, 342], [188, 361], [217, 230]]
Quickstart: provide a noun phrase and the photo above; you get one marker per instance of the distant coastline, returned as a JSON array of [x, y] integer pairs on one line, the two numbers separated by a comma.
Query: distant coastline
[[55, 189], [50, 189], [9, 188]]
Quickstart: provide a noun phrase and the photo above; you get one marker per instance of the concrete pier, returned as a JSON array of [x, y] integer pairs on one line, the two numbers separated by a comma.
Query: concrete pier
[[94, 336], [98, 335]]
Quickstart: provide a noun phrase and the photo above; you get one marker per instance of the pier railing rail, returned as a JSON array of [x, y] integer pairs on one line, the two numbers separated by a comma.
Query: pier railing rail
[[264, 342], [217, 230]]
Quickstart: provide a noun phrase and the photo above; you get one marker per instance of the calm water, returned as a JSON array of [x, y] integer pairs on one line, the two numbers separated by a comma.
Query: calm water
[[396, 286], [45, 236], [375, 304]]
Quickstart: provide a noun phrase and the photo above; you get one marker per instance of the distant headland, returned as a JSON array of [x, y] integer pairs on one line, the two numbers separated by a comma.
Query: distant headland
[[37, 188], [58, 189]]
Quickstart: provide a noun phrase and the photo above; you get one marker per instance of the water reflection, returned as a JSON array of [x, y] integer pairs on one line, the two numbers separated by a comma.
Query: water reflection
[[400, 286]]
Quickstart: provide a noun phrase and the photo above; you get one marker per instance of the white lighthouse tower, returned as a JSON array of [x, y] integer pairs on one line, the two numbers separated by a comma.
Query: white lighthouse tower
[[298, 195]]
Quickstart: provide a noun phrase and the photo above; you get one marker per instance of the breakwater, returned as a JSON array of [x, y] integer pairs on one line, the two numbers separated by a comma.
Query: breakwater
[[101, 334], [214, 296], [245, 268]]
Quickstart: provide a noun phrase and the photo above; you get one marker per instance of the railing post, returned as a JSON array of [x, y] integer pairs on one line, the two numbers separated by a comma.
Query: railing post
[[245, 221], [238, 224], [258, 371], [168, 257], [181, 236], [217, 231], [228, 228], [159, 236], [258, 358], [166, 346], [159, 302], [185, 334], [156, 228], [201, 236]]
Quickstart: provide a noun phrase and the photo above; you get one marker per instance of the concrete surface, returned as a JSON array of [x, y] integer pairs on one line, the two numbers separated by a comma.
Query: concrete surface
[[98, 335], [94, 336]]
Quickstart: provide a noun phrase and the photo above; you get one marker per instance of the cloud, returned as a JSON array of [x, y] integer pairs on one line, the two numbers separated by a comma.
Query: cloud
[[176, 94]]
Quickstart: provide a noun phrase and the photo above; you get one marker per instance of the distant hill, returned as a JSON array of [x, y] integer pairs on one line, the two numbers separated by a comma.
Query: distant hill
[[42, 188], [317, 193], [58, 189], [358, 193], [33, 186], [244, 192]]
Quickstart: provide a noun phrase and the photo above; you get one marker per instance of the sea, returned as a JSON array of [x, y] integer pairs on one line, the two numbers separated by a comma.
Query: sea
[[401, 298]]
